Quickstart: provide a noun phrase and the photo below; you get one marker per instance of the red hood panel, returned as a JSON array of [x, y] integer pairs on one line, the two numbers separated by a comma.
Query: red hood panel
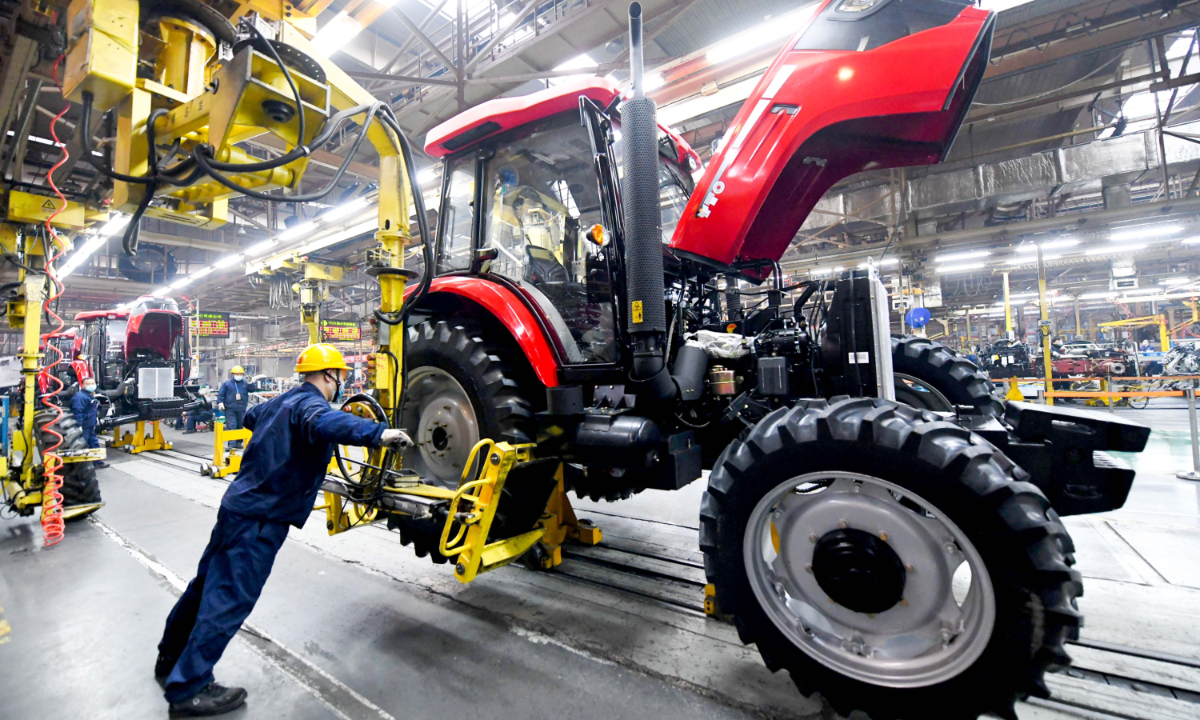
[[154, 330], [819, 115]]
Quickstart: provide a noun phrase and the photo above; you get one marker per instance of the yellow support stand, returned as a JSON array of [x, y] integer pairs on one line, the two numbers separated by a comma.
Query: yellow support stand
[[138, 441], [561, 525], [1014, 392], [225, 462]]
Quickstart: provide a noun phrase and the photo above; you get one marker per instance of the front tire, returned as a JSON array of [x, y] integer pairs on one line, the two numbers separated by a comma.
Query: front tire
[[842, 605]]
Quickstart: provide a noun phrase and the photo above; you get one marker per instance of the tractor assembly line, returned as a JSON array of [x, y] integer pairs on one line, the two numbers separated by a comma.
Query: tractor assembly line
[[580, 308]]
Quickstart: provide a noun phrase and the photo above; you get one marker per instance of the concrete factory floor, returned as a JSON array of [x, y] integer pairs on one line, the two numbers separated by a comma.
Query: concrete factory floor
[[355, 626]]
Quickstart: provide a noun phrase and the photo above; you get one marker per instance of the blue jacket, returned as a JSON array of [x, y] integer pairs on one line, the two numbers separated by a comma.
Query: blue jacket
[[84, 407], [229, 393], [284, 464]]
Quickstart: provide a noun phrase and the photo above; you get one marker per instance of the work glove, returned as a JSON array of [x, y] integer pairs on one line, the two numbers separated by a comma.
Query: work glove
[[220, 406], [396, 438]]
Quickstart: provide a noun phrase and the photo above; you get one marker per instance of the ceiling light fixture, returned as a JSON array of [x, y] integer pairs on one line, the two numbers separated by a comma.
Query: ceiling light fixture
[[1051, 245], [1116, 249], [227, 261], [296, 231], [260, 247], [952, 257], [1144, 233], [964, 267], [345, 210], [336, 34]]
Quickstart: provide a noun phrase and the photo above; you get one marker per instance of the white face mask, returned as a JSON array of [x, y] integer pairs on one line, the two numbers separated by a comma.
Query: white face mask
[[89, 387], [237, 378]]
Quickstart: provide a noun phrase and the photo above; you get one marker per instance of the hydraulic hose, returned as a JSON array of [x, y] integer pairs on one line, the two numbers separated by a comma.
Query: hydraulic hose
[[53, 525]]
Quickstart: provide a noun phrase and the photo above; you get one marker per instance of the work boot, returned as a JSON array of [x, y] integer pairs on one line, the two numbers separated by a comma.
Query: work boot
[[100, 464], [189, 432], [162, 668], [214, 699]]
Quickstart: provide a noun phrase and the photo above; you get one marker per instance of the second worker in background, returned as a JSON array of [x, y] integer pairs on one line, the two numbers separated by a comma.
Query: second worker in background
[[233, 397]]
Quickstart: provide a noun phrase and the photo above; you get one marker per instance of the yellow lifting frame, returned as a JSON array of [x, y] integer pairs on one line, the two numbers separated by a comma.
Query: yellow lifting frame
[[138, 441], [225, 462]]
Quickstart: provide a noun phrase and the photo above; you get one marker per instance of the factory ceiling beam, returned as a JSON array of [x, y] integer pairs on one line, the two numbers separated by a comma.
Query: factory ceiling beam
[[602, 68], [1083, 221], [401, 79], [412, 40], [187, 242], [500, 35], [1113, 37], [415, 29]]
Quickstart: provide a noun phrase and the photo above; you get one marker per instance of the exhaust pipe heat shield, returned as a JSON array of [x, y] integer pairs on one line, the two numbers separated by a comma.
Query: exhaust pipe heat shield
[[863, 85]]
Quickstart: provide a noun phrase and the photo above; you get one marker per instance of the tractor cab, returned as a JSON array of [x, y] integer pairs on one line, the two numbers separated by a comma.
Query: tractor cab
[[530, 196], [139, 357]]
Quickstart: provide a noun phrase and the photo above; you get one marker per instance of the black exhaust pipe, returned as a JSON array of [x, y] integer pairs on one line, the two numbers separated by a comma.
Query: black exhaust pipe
[[646, 315]]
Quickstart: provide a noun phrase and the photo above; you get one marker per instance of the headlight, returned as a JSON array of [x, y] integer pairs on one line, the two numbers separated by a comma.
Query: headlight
[[858, 6]]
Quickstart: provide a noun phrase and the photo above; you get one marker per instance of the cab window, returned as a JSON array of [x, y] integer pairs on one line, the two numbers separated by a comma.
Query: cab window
[[540, 199], [454, 223]]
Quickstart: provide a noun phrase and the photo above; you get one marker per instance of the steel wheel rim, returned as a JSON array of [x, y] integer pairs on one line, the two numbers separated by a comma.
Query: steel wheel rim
[[927, 638], [919, 390], [439, 414]]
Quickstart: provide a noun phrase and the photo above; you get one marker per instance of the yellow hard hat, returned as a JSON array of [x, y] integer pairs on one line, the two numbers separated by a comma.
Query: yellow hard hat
[[237, 370], [321, 356]]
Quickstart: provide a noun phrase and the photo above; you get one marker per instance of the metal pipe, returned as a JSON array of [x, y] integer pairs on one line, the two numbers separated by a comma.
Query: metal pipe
[[1194, 474], [1044, 325], [1008, 328], [635, 50]]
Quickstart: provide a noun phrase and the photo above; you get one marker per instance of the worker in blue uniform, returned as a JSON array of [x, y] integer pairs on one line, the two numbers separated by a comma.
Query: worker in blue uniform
[[233, 396], [281, 472], [85, 407]]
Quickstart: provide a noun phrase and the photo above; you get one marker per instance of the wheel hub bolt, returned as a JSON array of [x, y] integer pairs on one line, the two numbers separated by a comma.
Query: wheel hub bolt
[[813, 538], [883, 536]]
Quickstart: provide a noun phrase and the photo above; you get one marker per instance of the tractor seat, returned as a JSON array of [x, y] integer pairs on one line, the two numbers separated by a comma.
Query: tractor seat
[[542, 267]]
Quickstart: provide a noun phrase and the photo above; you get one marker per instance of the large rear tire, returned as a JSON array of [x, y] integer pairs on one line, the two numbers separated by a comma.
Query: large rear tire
[[943, 378], [873, 511], [80, 486]]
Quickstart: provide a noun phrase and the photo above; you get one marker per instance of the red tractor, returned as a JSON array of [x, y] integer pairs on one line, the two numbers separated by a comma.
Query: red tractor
[[139, 358], [893, 558]]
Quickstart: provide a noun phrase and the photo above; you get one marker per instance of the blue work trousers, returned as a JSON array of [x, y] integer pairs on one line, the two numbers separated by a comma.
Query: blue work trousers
[[232, 572], [235, 419], [89, 435]]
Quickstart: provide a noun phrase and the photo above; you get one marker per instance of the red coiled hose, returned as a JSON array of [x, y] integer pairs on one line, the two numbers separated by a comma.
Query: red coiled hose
[[53, 526]]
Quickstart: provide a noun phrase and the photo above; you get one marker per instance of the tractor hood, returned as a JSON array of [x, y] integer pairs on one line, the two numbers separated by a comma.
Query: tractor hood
[[153, 330], [863, 85]]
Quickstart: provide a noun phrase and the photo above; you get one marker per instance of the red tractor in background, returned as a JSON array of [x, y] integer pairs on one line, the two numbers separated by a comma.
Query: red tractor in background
[[894, 557], [140, 360]]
